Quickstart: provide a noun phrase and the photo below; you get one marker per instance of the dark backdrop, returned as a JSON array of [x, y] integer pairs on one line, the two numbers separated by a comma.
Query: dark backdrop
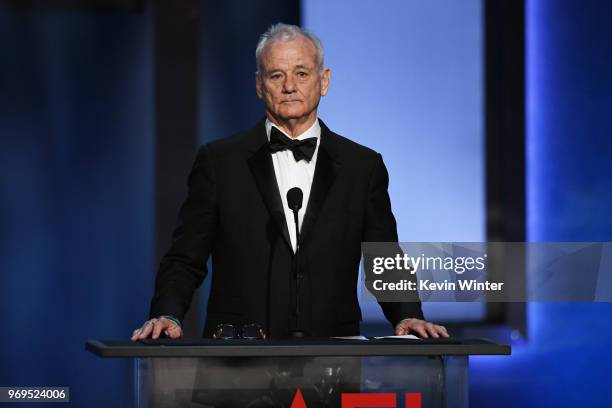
[[565, 361], [100, 117], [76, 163]]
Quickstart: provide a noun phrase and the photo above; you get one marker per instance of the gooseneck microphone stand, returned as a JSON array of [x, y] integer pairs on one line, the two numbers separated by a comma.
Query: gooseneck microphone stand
[[294, 201]]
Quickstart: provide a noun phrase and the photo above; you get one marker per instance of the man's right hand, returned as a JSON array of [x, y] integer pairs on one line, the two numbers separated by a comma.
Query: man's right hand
[[154, 328]]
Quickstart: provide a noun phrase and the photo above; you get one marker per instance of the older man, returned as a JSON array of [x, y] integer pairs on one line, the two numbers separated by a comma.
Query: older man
[[237, 211]]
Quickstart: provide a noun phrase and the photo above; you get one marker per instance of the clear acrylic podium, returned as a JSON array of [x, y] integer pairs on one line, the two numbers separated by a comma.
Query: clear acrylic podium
[[267, 373]]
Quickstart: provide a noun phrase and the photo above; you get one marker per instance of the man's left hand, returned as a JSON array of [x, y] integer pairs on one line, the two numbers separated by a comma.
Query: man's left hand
[[421, 328]]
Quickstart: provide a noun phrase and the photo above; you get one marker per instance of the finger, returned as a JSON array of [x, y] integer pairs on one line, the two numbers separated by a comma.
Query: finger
[[174, 332], [135, 334], [442, 330], [146, 330], [403, 327], [431, 329], [164, 325], [169, 329], [158, 326], [420, 329]]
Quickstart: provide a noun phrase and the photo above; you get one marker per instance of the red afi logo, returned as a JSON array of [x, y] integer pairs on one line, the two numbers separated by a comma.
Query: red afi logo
[[370, 400]]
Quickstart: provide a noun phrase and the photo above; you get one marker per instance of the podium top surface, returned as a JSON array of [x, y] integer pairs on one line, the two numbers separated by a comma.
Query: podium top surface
[[293, 348]]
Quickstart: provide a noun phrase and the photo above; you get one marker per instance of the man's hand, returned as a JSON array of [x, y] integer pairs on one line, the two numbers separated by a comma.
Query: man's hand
[[154, 327], [421, 328]]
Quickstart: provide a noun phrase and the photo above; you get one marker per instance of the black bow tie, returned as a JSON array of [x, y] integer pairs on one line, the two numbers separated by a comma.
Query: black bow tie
[[301, 149]]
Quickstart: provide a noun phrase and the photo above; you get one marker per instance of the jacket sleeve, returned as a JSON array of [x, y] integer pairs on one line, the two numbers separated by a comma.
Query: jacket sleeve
[[183, 268], [380, 226]]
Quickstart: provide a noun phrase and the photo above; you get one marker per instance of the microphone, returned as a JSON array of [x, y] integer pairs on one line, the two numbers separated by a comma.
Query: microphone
[[294, 201], [295, 197]]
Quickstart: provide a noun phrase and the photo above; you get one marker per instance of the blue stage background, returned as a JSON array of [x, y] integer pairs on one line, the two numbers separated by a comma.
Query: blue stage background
[[565, 362], [76, 219]]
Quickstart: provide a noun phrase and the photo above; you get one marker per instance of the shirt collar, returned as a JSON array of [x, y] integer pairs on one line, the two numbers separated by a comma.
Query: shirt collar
[[313, 131]]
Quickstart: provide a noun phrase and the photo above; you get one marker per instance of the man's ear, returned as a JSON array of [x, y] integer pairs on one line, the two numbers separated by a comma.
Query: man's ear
[[325, 77], [258, 85]]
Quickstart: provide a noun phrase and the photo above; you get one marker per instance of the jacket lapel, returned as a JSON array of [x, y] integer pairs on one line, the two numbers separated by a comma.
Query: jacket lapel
[[325, 173], [263, 172]]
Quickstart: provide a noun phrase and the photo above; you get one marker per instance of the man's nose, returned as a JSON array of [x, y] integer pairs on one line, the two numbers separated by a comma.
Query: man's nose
[[289, 85]]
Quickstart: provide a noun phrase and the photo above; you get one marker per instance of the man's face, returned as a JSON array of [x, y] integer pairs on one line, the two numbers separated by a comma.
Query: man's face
[[289, 81]]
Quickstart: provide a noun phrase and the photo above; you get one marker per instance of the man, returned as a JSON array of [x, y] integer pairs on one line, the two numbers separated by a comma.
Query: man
[[237, 211]]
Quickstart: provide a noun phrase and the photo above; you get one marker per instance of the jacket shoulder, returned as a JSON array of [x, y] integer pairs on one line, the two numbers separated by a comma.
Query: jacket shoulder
[[353, 151], [354, 146]]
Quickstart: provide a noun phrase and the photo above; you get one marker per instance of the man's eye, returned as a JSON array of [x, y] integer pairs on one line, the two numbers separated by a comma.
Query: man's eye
[[302, 74], [275, 76]]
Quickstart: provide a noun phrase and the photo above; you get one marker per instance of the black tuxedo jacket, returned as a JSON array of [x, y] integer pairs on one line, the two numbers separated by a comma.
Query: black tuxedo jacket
[[233, 212]]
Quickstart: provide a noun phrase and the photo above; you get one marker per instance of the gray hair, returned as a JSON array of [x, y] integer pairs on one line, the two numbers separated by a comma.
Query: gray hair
[[287, 32]]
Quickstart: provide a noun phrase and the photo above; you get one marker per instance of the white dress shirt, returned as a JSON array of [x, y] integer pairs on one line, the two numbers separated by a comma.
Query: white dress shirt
[[290, 173]]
